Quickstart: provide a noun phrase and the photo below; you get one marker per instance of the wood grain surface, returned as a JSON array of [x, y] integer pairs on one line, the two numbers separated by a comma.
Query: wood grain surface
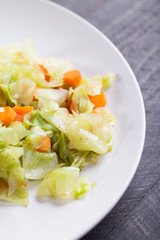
[[134, 27]]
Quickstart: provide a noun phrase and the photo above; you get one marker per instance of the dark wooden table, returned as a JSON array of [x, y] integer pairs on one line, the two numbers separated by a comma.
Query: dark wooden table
[[134, 27]]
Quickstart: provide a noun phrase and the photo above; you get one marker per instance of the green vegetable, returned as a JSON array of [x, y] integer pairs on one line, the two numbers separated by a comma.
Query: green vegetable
[[58, 119], [10, 52], [48, 95], [81, 101], [30, 72], [71, 157], [93, 133], [63, 183], [93, 85], [98, 82], [38, 120], [7, 93], [12, 134], [9, 72], [108, 79], [38, 164], [60, 136], [3, 101], [9, 155], [22, 91], [12, 180], [82, 187], [35, 136], [20, 195], [56, 69]]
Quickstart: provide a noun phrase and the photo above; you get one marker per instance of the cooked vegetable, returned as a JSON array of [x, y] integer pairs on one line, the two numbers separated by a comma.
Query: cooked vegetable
[[71, 157], [44, 71], [38, 164], [72, 78], [53, 122], [22, 91], [22, 110], [63, 183], [107, 80], [7, 115], [45, 144], [81, 101], [98, 100], [46, 95], [13, 134]]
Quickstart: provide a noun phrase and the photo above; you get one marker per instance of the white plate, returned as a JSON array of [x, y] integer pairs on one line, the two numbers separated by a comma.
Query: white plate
[[59, 32]]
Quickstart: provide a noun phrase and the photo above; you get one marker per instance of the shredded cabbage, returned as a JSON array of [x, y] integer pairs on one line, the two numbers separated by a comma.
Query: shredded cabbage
[[56, 128], [13, 134], [38, 164], [58, 96], [63, 183], [81, 100], [12, 181]]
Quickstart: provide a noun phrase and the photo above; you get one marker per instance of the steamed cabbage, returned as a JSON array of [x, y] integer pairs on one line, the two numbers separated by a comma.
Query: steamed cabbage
[[55, 127], [63, 183]]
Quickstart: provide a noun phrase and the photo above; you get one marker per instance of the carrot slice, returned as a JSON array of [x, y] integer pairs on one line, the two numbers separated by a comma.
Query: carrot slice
[[44, 71], [72, 78], [46, 144], [98, 100], [19, 118], [7, 115], [23, 110]]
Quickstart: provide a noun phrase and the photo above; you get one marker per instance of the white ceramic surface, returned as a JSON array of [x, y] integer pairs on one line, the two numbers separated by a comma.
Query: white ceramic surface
[[60, 33]]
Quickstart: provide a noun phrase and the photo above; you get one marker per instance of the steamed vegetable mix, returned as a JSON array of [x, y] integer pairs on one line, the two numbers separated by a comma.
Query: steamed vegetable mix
[[53, 122]]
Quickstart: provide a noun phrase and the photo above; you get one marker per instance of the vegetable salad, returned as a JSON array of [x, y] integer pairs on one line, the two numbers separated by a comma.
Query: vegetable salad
[[53, 122]]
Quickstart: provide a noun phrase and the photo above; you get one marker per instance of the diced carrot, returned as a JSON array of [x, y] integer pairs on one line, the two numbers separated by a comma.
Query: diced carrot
[[19, 118], [98, 100], [0, 90], [44, 71], [23, 110], [7, 115], [45, 145], [72, 78]]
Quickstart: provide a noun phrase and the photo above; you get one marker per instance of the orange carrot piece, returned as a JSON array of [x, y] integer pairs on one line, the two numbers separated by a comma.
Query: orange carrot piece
[[98, 100], [44, 71], [19, 118], [23, 110], [46, 144], [7, 116], [72, 78]]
